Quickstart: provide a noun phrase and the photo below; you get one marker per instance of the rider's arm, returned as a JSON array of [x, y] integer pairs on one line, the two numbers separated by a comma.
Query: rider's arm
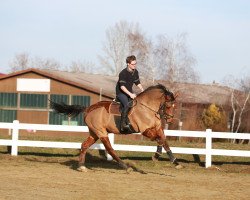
[[124, 89], [137, 81], [140, 86]]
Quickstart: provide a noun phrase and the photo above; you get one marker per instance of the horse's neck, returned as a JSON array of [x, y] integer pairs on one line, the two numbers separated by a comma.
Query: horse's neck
[[147, 106], [152, 100]]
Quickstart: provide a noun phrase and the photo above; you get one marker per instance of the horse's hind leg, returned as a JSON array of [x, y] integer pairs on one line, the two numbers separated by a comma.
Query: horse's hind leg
[[85, 145], [110, 150]]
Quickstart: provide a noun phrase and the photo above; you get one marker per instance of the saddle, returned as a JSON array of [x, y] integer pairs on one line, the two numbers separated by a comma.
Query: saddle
[[112, 107], [115, 108]]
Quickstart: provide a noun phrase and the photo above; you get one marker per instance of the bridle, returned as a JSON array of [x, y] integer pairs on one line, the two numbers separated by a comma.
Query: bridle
[[161, 111], [166, 115]]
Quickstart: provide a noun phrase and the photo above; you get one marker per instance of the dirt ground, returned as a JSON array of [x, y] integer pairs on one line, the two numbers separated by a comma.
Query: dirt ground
[[42, 177]]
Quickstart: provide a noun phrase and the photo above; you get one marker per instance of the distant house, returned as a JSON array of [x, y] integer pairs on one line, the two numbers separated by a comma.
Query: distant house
[[24, 95]]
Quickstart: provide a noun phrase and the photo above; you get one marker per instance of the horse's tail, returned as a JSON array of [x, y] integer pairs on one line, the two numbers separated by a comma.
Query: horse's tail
[[69, 110]]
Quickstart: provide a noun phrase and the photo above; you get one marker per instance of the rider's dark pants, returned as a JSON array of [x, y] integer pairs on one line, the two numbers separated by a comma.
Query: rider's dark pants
[[124, 99], [125, 125]]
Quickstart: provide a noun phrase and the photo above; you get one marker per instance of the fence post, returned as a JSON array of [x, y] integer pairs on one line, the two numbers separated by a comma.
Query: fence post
[[112, 141], [15, 130], [208, 148]]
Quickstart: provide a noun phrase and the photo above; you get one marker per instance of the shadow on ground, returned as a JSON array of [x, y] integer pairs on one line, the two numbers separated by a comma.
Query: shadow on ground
[[92, 161]]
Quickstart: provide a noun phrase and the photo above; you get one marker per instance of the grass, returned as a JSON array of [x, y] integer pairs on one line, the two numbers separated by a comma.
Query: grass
[[140, 158]]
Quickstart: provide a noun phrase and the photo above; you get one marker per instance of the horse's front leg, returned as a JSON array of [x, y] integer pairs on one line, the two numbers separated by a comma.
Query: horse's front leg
[[162, 142], [158, 153], [169, 152]]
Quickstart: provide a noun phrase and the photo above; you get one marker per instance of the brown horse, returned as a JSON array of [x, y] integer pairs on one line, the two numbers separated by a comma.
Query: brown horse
[[147, 112]]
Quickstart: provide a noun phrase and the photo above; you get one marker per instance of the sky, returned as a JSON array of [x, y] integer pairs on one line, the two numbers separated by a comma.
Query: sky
[[74, 30]]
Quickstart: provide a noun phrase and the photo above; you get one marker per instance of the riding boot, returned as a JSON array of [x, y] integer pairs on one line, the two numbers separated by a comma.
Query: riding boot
[[124, 126]]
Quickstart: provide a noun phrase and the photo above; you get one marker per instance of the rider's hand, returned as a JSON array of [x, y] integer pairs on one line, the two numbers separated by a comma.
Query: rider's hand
[[132, 96]]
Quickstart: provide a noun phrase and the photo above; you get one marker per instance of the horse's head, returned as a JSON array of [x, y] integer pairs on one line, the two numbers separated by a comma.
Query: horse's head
[[159, 96], [168, 111], [169, 106]]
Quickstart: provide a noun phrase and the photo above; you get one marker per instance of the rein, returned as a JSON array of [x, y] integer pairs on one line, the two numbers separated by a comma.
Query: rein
[[162, 106], [162, 112], [157, 112]]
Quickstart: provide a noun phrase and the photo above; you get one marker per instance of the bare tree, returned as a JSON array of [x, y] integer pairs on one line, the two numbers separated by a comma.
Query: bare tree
[[20, 62], [142, 47], [240, 99], [24, 61], [116, 48], [238, 103], [78, 66], [123, 40], [169, 59], [48, 63], [175, 62]]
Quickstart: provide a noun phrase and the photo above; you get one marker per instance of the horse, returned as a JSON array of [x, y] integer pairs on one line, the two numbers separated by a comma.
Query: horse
[[146, 115]]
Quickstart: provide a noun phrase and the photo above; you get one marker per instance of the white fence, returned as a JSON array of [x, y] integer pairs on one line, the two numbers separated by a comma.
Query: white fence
[[208, 151]]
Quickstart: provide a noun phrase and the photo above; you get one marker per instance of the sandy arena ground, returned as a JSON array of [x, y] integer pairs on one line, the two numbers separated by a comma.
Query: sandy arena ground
[[37, 177]]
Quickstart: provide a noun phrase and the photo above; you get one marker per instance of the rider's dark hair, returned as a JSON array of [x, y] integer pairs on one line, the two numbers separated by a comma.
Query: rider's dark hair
[[129, 59]]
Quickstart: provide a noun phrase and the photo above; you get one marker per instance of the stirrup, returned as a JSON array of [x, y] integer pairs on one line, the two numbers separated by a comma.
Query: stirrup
[[127, 129]]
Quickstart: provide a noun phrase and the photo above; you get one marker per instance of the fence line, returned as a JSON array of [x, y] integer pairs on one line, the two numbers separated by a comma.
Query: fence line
[[207, 151]]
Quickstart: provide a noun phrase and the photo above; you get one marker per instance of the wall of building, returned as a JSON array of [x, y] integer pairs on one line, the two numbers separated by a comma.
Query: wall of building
[[41, 114]]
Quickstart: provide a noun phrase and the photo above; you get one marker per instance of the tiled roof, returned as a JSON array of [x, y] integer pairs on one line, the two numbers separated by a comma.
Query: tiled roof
[[188, 93]]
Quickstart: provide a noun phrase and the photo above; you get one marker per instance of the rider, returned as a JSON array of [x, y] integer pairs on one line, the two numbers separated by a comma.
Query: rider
[[127, 77]]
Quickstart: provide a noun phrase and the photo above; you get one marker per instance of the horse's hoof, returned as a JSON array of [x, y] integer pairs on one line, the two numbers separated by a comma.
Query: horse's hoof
[[82, 169], [179, 166], [155, 159], [123, 165], [129, 170]]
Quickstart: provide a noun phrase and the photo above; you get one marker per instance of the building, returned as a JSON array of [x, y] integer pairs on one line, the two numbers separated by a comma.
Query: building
[[25, 95]]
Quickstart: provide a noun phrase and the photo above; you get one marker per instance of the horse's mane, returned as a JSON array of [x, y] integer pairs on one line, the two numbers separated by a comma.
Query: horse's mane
[[161, 87]]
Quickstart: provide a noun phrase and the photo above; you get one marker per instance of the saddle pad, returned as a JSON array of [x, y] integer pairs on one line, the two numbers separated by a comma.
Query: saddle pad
[[114, 108]]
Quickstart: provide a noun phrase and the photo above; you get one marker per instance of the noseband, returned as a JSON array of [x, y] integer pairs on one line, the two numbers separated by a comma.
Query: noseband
[[163, 113]]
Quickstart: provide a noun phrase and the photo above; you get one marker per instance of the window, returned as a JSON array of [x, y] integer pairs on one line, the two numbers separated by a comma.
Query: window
[[57, 119], [7, 115], [33, 100], [83, 101], [59, 98], [8, 99]]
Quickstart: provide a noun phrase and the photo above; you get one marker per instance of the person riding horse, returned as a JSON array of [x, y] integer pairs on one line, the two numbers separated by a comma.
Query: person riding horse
[[124, 92], [149, 109]]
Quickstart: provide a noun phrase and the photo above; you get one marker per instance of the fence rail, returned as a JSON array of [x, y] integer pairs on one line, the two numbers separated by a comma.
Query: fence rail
[[207, 151]]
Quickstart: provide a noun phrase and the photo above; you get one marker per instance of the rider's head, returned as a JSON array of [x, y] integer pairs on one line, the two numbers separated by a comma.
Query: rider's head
[[129, 59], [131, 62]]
